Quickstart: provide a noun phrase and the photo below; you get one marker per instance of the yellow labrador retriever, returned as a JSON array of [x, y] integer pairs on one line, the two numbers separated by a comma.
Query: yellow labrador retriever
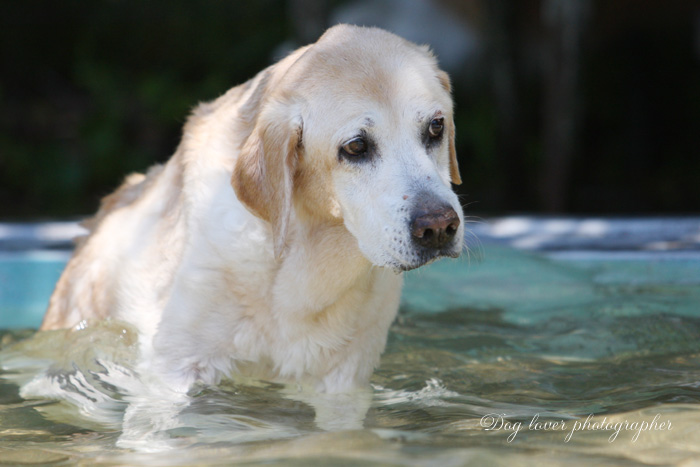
[[271, 244]]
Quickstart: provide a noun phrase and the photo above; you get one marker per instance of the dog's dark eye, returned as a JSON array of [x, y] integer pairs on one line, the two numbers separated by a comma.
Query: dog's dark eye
[[355, 147], [437, 125]]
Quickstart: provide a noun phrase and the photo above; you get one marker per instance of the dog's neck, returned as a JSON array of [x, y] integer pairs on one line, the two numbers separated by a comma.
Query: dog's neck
[[317, 262]]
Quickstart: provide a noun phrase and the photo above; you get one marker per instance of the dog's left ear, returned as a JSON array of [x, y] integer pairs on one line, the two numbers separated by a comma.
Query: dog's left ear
[[454, 168], [263, 177]]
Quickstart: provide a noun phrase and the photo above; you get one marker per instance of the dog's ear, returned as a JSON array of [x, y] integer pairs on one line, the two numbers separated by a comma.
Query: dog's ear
[[454, 167], [263, 176]]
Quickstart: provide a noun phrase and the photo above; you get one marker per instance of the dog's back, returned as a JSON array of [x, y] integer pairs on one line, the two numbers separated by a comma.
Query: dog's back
[[86, 288]]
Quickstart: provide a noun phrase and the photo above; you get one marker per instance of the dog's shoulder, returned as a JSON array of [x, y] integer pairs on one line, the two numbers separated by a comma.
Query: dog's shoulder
[[128, 192]]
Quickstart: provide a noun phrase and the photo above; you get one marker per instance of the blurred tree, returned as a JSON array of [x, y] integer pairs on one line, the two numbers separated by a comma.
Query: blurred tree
[[582, 106], [564, 25]]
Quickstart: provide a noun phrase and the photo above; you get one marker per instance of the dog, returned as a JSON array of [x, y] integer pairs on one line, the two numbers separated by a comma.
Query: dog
[[272, 243]]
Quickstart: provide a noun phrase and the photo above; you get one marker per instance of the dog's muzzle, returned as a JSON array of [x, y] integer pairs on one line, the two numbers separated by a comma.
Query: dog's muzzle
[[435, 229], [433, 226]]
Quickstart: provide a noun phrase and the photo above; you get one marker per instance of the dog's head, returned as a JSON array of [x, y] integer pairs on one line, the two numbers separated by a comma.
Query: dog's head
[[357, 130]]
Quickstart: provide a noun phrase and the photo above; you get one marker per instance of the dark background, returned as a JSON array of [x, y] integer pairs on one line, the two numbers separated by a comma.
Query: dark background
[[576, 106]]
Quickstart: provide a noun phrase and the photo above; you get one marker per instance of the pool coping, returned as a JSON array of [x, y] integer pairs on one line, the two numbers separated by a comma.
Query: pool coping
[[536, 233]]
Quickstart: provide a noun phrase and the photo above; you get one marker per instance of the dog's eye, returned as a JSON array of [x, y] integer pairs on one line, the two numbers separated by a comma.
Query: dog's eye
[[436, 127], [355, 147]]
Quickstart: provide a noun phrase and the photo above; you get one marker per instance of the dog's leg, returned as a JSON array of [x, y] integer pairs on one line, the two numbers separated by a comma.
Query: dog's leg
[[338, 412]]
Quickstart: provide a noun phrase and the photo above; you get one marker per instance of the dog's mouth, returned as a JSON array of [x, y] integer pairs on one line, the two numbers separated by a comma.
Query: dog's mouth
[[425, 256]]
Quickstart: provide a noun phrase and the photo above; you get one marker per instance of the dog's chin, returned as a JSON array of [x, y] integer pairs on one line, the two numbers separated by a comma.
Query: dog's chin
[[423, 258]]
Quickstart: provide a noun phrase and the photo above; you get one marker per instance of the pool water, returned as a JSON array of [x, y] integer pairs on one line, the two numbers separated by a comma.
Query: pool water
[[501, 358]]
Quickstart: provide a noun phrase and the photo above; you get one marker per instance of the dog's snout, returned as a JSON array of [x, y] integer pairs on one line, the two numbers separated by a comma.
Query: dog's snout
[[436, 228]]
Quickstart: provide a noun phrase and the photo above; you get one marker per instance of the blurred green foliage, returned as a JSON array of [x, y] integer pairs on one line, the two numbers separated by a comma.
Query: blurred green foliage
[[93, 90]]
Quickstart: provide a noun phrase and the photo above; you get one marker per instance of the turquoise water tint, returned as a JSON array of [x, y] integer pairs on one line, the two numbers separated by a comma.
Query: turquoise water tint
[[26, 282], [510, 358]]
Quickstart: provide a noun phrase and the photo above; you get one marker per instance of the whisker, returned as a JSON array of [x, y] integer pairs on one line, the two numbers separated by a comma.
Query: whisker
[[476, 248]]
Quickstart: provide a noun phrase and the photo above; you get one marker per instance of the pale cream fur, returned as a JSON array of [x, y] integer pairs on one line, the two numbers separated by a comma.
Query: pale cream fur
[[256, 249]]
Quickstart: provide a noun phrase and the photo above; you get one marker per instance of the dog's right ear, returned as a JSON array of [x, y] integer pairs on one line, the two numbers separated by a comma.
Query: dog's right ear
[[263, 177], [454, 166]]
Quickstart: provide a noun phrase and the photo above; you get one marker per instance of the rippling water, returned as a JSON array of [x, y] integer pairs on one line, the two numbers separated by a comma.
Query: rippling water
[[513, 359]]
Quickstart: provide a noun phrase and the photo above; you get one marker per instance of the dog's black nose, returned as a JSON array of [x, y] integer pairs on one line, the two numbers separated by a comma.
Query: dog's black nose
[[436, 228]]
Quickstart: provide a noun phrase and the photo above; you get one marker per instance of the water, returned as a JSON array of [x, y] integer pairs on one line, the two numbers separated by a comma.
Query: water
[[511, 359]]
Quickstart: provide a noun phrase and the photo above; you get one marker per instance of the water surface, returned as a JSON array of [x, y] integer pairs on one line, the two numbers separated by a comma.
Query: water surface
[[510, 359]]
